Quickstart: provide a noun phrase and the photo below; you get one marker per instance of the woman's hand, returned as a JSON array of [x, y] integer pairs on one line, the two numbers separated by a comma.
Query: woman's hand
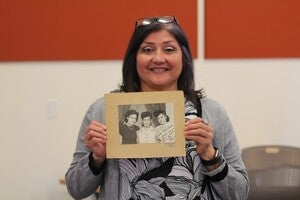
[[202, 134], [95, 140]]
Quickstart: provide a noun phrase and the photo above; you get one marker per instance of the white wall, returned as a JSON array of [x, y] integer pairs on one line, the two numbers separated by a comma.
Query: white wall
[[261, 96]]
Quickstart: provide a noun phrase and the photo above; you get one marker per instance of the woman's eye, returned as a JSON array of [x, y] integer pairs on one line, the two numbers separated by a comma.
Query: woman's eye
[[147, 50], [169, 49]]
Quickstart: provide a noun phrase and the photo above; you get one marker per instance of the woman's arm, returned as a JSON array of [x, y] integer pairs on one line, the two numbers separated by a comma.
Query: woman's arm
[[230, 179], [80, 179]]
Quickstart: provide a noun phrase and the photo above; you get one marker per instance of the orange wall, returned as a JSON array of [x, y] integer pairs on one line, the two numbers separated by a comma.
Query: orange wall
[[252, 28], [81, 30]]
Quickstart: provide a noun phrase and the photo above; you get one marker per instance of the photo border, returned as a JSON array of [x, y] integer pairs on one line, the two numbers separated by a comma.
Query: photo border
[[114, 148]]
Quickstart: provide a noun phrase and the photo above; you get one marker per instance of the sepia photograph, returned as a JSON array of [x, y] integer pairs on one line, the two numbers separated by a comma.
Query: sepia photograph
[[142, 125], [146, 123]]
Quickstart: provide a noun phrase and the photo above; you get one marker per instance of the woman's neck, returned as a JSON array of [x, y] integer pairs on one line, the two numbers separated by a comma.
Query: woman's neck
[[146, 88]]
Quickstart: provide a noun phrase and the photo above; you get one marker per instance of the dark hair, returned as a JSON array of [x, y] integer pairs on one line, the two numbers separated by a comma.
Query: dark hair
[[161, 111], [131, 112], [146, 114], [186, 82]]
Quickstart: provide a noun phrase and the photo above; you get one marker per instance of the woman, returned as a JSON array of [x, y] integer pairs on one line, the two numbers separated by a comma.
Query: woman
[[158, 58], [166, 131], [128, 129], [147, 133]]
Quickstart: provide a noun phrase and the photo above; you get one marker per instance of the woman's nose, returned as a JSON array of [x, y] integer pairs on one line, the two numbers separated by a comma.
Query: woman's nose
[[158, 57]]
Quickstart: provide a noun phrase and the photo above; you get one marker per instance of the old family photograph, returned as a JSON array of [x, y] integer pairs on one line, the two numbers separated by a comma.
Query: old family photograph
[[146, 123]]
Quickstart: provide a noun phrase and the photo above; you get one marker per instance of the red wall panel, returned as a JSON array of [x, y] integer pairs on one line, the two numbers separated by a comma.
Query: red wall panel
[[81, 30], [252, 28]]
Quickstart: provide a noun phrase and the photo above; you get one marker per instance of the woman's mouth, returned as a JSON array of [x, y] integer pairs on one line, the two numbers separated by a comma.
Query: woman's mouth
[[159, 70]]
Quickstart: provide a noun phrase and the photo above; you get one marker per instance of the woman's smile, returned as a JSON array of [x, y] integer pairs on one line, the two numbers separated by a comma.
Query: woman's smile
[[159, 62]]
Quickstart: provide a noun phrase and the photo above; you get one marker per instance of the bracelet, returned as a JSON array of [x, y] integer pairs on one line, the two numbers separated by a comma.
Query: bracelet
[[216, 159]]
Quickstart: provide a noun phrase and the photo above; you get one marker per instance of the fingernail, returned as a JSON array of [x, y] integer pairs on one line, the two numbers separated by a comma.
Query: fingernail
[[205, 121]]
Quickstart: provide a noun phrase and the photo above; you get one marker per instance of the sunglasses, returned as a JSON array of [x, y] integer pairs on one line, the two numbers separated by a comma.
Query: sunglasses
[[151, 20]]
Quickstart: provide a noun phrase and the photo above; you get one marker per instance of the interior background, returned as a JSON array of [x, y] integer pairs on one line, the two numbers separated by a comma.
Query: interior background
[[261, 96]]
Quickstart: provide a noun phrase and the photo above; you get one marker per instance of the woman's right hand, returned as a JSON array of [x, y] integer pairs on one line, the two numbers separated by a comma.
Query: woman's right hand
[[95, 140]]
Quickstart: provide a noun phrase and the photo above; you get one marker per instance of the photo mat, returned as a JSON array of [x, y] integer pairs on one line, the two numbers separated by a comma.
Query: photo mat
[[145, 124]]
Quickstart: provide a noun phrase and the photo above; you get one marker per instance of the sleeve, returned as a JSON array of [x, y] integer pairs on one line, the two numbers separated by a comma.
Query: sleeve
[[230, 179], [81, 179]]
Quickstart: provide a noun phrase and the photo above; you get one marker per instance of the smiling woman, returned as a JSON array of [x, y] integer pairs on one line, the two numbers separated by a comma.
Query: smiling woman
[[159, 58], [159, 62]]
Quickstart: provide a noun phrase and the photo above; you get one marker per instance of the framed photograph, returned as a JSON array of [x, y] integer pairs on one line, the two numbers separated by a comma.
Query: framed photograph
[[145, 124]]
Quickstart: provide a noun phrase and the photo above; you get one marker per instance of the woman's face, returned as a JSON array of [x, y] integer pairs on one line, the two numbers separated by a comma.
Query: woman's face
[[159, 62], [162, 119], [146, 121], [131, 119]]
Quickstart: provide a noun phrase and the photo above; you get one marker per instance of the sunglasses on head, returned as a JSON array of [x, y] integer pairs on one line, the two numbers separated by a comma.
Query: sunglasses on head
[[151, 20]]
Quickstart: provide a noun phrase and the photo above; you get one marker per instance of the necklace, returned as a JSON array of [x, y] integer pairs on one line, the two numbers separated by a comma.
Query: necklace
[[130, 127]]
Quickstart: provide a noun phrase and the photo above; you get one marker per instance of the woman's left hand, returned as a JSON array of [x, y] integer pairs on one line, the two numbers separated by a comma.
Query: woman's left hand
[[202, 134]]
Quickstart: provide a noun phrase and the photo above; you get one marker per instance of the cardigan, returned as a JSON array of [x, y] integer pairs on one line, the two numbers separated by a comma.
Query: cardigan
[[82, 182]]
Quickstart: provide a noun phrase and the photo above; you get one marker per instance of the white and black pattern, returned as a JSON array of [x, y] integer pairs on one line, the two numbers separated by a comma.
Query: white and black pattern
[[163, 178], [190, 111]]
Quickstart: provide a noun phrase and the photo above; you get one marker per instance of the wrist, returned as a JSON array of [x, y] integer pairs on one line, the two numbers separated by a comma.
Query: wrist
[[97, 161], [213, 159], [95, 167], [208, 154]]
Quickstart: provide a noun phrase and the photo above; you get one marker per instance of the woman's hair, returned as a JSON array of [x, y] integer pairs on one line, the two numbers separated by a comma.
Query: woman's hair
[[159, 111], [146, 114], [186, 82], [131, 112]]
